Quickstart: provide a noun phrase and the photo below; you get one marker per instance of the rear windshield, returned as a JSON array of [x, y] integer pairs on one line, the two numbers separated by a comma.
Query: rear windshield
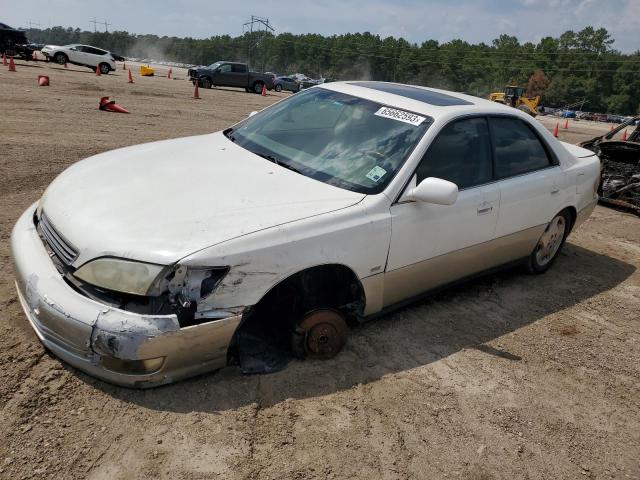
[[335, 138]]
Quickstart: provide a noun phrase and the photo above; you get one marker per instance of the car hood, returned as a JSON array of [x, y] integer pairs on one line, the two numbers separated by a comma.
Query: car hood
[[162, 201]]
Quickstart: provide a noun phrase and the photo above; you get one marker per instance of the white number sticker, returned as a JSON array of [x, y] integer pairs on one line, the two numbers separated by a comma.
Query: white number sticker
[[400, 115]]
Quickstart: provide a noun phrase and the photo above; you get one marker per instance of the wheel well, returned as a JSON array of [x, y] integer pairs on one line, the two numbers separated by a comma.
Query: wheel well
[[265, 339], [573, 214]]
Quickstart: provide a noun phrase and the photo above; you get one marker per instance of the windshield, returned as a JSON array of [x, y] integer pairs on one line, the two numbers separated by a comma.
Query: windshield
[[213, 66], [335, 138]]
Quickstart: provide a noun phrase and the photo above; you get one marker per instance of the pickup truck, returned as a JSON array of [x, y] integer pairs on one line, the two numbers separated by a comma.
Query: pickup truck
[[230, 74]]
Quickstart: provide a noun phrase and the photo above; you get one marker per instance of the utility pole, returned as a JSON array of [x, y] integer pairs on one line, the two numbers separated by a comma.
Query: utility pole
[[94, 24], [259, 22], [33, 24], [106, 26]]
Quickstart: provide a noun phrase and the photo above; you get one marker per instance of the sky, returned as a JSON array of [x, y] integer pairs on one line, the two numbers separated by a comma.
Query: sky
[[415, 20]]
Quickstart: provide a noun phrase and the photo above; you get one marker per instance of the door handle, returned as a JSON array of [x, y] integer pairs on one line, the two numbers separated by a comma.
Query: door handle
[[485, 209]]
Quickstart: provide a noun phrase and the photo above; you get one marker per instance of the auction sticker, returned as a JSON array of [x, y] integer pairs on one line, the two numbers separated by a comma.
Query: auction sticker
[[376, 173], [400, 115]]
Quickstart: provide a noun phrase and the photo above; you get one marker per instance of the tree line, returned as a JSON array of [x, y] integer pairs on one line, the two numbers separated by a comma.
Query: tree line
[[576, 67]]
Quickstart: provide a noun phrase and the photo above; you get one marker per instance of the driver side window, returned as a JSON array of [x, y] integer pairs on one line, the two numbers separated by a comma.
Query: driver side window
[[461, 153]]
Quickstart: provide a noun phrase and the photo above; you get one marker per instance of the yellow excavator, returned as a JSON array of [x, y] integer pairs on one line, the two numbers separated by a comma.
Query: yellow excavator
[[515, 97]]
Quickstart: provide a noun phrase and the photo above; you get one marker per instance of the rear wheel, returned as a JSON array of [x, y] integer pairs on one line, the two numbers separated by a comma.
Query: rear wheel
[[278, 88], [549, 244], [104, 68], [60, 58], [525, 108], [257, 87]]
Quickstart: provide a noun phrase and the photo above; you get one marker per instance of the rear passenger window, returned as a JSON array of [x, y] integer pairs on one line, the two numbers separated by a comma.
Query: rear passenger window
[[517, 148], [238, 68], [461, 153]]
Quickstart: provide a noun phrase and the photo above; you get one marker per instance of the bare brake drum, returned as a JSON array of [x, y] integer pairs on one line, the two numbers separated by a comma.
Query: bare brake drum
[[325, 333]]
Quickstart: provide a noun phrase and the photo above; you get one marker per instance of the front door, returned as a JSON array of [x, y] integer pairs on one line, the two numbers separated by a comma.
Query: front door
[[432, 245]]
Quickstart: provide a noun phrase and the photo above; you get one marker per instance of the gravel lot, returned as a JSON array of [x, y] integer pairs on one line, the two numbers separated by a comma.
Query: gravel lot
[[509, 376]]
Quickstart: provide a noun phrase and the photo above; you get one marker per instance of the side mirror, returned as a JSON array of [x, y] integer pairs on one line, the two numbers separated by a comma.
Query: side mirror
[[252, 113], [434, 190]]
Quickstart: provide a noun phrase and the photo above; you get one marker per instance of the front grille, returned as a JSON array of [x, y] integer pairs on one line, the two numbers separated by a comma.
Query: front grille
[[63, 249]]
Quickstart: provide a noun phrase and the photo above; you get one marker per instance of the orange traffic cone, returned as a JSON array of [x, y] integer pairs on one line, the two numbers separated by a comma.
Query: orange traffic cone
[[196, 93], [624, 134], [264, 90], [65, 65], [43, 81], [555, 130], [566, 124], [98, 71], [4, 59], [107, 105], [169, 74], [12, 66], [130, 77]]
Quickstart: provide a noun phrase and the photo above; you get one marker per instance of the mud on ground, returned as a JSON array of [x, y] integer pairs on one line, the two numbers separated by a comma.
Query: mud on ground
[[509, 376]]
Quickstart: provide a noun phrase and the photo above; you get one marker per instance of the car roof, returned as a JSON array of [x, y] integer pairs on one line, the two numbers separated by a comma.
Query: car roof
[[424, 100]]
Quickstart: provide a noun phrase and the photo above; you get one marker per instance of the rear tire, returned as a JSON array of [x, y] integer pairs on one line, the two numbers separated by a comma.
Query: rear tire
[[550, 244], [527, 110], [257, 87], [278, 88], [104, 68], [60, 58]]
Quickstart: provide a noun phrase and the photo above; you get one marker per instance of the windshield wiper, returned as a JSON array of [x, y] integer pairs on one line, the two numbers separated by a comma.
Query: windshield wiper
[[273, 159]]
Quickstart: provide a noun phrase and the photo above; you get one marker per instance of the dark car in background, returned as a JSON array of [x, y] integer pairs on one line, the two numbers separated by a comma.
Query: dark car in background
[[231, 74], [14, 43], [287, 84]]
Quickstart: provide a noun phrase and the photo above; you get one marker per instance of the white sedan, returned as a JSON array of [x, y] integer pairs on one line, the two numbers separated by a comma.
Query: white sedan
[[82, 55], [156, 262]]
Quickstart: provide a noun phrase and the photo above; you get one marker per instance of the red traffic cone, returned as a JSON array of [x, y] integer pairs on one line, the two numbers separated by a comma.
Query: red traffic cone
[[98, 71], [169, 74], [12, 66], [264, 90], [65, 65], [107, 105], [43, 81], [624, 134], [555, 130], [196, 93], [4, 59], [566, 124], [130, 77]]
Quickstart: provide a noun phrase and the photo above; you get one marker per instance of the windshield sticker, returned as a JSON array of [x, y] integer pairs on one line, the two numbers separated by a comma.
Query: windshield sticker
[[400, 115], [376, 173]]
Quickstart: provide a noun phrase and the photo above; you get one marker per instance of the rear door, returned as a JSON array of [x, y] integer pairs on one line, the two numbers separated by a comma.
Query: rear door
[[432, 245], [528, 176], [239, 75]]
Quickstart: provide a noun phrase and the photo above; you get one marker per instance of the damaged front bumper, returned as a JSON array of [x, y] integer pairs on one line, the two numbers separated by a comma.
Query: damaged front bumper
[[117, 346]]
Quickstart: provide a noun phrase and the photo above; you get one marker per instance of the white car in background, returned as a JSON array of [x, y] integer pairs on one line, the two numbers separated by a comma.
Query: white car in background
[[156, 262], [83, 55]]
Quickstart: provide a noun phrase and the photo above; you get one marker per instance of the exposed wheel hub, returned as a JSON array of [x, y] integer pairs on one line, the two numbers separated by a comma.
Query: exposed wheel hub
[[325, 333]]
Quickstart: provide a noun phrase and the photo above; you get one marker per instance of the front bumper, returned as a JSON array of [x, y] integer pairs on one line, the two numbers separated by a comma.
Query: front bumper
[[117, 346]]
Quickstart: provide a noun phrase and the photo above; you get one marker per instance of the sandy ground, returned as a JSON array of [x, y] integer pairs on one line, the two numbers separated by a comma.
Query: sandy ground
[[509, 376]]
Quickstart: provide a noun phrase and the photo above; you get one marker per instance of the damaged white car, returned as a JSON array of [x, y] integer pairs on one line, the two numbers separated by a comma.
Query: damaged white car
[[152, 263]]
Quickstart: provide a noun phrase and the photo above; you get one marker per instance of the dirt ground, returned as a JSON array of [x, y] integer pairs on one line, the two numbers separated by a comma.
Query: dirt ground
[[510, 376]]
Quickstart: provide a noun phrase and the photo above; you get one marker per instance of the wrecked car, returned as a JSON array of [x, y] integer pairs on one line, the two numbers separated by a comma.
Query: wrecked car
[[156, 262], [620, 175]]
